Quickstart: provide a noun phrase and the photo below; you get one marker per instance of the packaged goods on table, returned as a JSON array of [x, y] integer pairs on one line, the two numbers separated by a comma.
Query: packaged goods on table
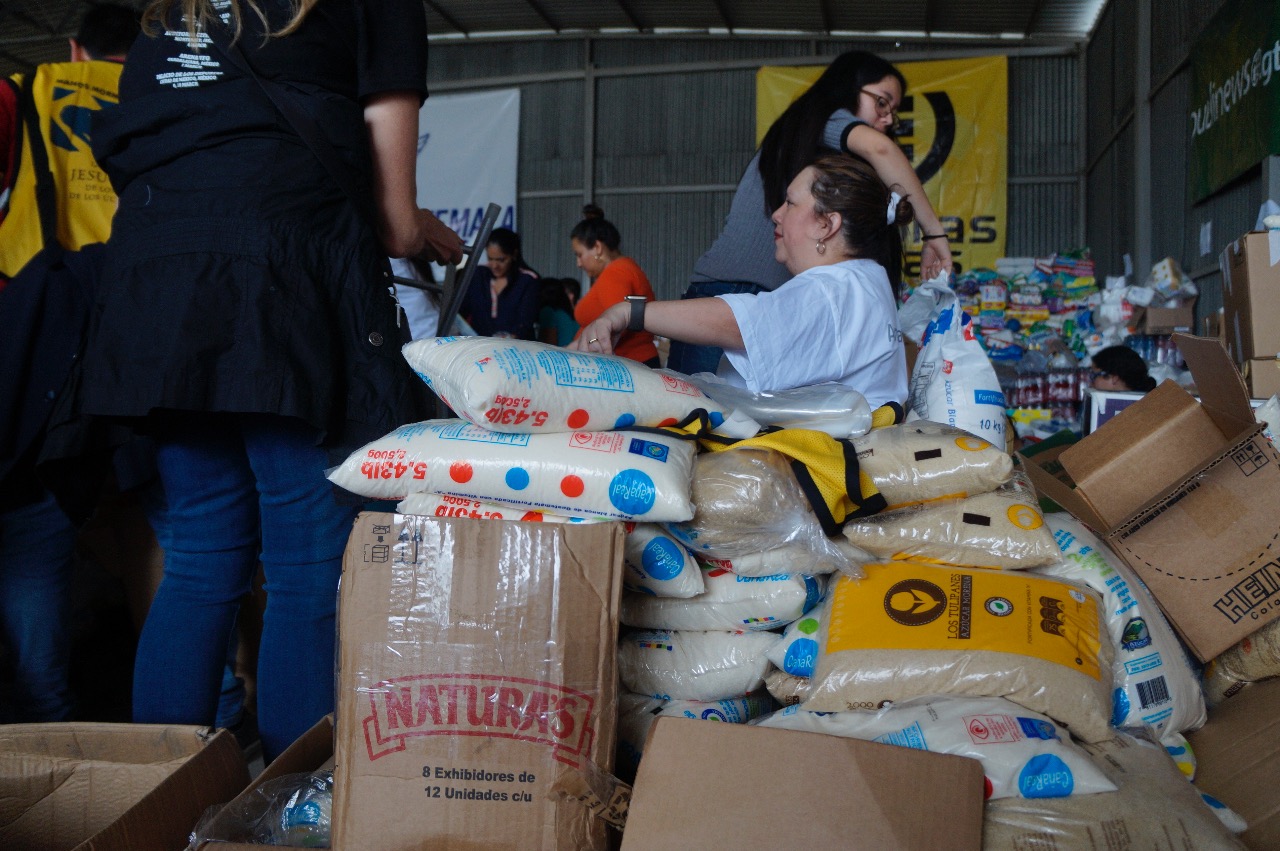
[[730, 602], [1002, 529], [527, 387], [1154, 807], [911, 630], [656, 563], [689, 665], [439, 505], [1023, 753], [617, 474], [1155, 685]]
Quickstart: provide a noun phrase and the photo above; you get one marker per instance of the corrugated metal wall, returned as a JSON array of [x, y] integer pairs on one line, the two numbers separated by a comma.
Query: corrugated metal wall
[[674, 126], [1177, 224]]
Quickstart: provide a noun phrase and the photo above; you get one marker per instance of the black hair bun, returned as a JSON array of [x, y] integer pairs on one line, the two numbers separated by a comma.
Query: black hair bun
[[591, 211]]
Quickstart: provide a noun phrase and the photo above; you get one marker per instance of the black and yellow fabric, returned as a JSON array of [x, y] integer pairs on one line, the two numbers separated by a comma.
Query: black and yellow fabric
[[826, 467], [65, 96]]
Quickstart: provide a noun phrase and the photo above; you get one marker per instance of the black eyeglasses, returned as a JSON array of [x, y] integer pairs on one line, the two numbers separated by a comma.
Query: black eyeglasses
[[884, 106]]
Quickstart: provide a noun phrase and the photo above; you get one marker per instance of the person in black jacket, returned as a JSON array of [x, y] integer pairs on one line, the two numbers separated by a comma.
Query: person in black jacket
[[246, 322]]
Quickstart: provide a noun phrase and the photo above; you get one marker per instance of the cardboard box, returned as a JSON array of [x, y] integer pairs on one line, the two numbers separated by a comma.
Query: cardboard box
[[1263, 377], [111, 787], [477, 661], [797, 790], [1251, 295], [1238, 760], [1186, 494], [1163, 320], [312, 751]]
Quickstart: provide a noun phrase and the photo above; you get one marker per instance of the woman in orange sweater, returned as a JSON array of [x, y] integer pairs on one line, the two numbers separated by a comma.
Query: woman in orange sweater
[[613, 277]]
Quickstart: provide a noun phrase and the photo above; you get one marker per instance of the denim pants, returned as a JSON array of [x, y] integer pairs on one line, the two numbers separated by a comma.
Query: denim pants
[[690, 359], [37, 548], [240, 488]]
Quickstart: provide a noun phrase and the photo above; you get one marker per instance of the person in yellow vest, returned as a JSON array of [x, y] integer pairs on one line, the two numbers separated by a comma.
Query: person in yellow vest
[[37, 538], [63, 97]]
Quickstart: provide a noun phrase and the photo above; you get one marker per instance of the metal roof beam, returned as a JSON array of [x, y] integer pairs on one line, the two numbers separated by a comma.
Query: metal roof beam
[[448, 19], [632, 16], [723, 10], [542, 13], [825, 9], [1033, 19]]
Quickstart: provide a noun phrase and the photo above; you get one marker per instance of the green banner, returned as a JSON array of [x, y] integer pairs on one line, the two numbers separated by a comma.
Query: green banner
[[1235, 94]]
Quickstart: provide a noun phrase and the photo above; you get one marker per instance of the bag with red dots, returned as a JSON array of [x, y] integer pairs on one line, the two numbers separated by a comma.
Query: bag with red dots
[[1024, 754], [438, 505], [621, 475], [524, 387]]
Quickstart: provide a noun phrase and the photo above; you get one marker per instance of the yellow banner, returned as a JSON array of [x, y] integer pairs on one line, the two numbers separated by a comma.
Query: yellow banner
[[955, 119]]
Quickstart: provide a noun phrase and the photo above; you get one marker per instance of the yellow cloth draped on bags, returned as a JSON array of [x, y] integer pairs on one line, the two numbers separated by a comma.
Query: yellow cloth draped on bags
[[826, 467]]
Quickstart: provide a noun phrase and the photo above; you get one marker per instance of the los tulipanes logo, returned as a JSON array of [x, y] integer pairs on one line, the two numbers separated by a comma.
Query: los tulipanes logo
[[479, 705]]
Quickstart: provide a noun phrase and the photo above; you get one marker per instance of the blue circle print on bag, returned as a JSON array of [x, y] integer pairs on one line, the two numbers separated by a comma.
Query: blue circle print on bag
[[800, 658], [632, 492], [1119, 707], [662, 559], [624, 421], [517, 478], [1045, 776]]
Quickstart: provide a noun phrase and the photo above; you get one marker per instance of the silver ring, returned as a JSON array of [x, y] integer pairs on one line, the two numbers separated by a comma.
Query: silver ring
[[593, 340]]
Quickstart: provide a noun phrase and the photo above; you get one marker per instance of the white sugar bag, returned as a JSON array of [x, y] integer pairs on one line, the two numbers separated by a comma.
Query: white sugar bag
[[616, 474], [729, 602], [527, 387], [1002, 529], [789, 558], [658, 564], [685, 665], [920, 461], [1024, 754], [797, 652], [637, 712], [438, 505], [1154, 683]]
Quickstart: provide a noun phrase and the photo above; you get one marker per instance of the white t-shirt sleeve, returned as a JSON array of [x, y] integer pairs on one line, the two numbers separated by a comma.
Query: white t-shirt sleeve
[[830, 323]]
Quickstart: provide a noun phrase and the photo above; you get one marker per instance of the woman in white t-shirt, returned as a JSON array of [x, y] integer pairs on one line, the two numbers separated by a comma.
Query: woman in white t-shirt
[[838, 234]]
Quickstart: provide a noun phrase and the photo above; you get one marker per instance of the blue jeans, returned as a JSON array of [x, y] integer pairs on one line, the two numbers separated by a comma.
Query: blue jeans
[[37, 548], [690, 359], [234, 484]]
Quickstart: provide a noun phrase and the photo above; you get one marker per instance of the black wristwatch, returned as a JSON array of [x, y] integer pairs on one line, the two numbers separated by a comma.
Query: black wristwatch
[[636, 322]]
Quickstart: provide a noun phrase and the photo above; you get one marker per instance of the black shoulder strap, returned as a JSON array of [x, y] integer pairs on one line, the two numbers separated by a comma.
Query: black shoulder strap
[[304, 125], [46, 190]]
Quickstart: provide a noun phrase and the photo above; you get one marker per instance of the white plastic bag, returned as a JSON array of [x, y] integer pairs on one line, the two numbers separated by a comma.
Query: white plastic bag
[[1023, 754], [953, 382], [797, 652], [658, 564], [835, 409], [730, 602], [522, 386], [1155, 685], [686, 665], [615, 474], [437, 505]]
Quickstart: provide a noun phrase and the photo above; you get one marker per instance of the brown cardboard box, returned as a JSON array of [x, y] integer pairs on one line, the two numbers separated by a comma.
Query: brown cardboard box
[[311, 752], [1163, 320], [1263, 377], [797, 790], [1238, 760], [1186, 494], [1251, 295], [477, 660], [111, 787]]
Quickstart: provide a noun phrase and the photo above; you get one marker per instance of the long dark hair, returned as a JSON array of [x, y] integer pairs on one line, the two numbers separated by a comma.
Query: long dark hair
[[594, 228], [795, 139], [851, 187], [1125, 364]]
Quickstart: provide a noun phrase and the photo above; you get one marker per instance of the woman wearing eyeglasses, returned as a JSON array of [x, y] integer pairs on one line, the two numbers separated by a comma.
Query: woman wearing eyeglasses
[[851, 108]]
